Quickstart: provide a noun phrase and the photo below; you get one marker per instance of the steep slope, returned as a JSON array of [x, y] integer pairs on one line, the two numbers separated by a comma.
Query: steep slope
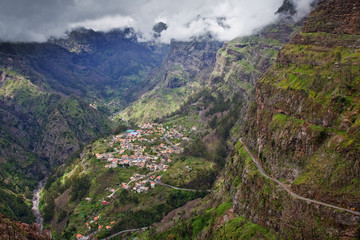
[[183, 73], [239, 64], [303, 128], [15, 230], [39, 130], [118, 61], [219, 112], [53, 100], [115, 183]]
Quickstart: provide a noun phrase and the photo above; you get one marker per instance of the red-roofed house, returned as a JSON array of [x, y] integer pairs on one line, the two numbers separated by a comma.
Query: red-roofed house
[[81, 237]]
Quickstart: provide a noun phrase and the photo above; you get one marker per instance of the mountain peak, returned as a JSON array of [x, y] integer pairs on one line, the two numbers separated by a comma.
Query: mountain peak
[[159, 28], [287, 9]]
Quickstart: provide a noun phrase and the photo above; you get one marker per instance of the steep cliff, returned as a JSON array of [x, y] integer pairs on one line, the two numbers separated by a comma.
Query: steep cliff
[[239, 64], [303, 126]]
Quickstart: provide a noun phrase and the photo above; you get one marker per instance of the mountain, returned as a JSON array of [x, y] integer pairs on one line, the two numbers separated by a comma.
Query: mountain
[[239, 64], [303, 124], [255, 138], [183, 73], [57, 96], [228, 81], [299, 123]]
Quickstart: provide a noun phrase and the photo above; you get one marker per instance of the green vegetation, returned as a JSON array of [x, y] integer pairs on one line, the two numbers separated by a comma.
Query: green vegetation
[[240, 228], [323, 82], [193, 173], [210, 223], [44, 112], [15, 207], [79, 192]]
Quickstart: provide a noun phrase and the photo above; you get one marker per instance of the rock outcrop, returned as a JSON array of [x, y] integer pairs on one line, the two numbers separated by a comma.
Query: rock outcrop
[[336, 17], [303, 127]]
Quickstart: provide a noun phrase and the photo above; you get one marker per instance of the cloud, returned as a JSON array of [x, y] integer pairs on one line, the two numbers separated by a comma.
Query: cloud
[[37, 20], [303, 7], [105, 23]]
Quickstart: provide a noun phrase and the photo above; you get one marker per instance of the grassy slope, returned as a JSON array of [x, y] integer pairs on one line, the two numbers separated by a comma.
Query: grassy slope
[[240, 63], [324, 82], [214, 217], [127, 209], [183, 73], [24, 123]]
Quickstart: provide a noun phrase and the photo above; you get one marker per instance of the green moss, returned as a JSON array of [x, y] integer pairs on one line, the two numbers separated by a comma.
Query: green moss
[[280, 118], [240, 228], [222, 208]]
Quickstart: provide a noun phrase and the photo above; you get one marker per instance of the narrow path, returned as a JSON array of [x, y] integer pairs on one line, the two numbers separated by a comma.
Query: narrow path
[[182, 189], [289, 190], [126, 231]]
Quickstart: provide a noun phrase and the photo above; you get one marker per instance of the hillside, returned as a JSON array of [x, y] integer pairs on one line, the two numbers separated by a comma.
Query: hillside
[[16, 230], [183, 73], [125, 181], [300, 123], [303, 123], [239, 64], [54, 99], [254, 138]]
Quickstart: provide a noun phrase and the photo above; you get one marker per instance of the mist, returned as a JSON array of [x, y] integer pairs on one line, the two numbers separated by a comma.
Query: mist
[[37, 20]]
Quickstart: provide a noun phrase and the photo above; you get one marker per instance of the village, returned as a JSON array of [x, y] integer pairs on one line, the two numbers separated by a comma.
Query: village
[[149, 147]]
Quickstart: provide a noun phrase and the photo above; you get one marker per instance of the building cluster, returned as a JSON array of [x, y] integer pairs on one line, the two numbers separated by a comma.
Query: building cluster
[[142, 182], [149, 147], [130, 148]]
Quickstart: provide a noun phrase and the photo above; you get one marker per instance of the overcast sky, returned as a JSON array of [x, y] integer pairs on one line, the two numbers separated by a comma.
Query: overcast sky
[[37, 20]]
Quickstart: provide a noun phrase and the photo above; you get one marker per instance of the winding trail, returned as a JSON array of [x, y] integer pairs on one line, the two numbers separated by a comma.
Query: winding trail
[[182, 189], [286, 188]]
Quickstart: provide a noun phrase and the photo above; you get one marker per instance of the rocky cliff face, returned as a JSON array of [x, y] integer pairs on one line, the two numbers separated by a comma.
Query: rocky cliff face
[[242, 61], [303, 127], [336, 17]]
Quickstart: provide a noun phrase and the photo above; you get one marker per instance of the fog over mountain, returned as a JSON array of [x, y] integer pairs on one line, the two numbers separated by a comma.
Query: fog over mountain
[[21, 20]]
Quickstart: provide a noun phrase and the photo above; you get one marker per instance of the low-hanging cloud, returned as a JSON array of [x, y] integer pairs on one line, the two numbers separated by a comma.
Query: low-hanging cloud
[[37, 20]]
